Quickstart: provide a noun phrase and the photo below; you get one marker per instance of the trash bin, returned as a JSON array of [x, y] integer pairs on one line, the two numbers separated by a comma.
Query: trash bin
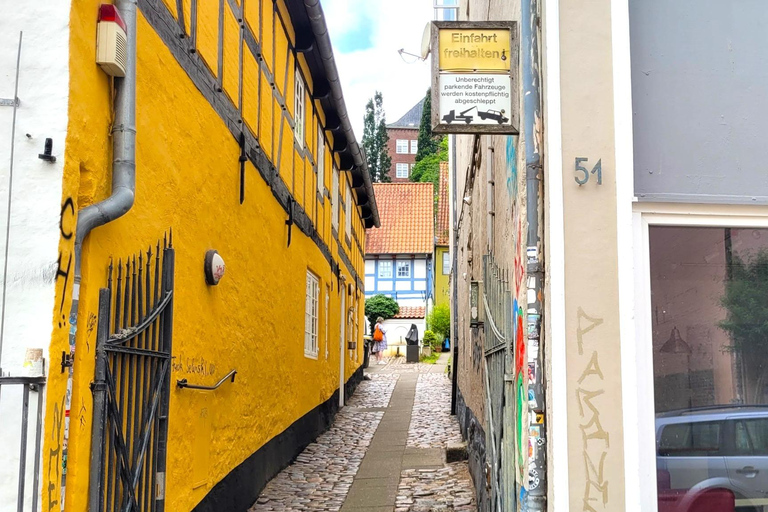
[[366, 351], [412, 339]]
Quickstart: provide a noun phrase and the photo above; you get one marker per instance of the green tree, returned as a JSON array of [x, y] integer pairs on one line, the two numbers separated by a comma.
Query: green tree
[[746, 301], [428, 143], [439, 321], [375, 139], [380, 306], [427, 170]]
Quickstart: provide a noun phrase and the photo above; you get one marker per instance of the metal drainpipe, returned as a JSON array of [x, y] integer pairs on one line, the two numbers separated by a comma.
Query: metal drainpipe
[[123, 192], [454, 276], [537, 495]]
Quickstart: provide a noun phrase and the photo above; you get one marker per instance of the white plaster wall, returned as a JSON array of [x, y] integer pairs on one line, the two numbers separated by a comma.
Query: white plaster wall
[[420, 269], [370, 266], [397, 329], [420, 285], [402, 286], [370, 283], [411, 302], [36, 204], [384, 286]]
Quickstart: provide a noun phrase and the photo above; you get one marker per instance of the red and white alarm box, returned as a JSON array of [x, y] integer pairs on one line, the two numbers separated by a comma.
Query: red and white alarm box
[[111, 41]]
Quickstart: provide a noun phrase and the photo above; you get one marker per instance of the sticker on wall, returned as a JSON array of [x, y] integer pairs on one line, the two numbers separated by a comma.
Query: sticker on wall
[[533, 327], [532, 399], [532, 372], [540, 418], [533, 350], [533, 255]]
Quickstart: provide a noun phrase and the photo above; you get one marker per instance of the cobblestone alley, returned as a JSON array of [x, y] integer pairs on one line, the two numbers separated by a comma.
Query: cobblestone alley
[[385, 451]]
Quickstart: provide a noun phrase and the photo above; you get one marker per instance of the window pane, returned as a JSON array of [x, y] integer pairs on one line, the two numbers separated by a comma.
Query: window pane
[[446, 263], [403, 269], [414, 147], [401, 146], [385, 269], [709, 327], [401, 170]]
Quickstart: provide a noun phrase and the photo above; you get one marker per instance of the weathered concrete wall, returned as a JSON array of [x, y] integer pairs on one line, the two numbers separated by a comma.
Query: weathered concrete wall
[[493, 181]]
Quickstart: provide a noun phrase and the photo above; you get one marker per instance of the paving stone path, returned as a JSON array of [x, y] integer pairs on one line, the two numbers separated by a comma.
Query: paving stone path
[[425, 490], [385, 451], [375, 392], [432, 425]]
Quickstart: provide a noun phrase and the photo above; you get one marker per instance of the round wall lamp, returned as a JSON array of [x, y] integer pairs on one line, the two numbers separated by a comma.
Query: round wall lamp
[[214, 267]]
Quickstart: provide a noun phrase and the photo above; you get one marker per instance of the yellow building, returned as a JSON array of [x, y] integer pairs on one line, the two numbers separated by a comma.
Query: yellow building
[[442, 240], [243, 147]]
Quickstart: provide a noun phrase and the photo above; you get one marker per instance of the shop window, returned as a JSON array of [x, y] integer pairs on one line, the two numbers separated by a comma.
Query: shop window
[[709, 325]]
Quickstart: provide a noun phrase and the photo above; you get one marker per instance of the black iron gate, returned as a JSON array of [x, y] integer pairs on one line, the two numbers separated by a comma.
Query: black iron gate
[[132, 384]]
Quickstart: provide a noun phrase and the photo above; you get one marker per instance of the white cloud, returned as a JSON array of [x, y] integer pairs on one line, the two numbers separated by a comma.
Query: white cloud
[[394, 24]]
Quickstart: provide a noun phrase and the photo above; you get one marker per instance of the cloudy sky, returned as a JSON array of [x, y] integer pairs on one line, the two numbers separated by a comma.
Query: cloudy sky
[[366, 35]]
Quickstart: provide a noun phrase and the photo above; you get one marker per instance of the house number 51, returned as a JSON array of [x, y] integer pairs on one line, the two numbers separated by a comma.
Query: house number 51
[[582, 174]]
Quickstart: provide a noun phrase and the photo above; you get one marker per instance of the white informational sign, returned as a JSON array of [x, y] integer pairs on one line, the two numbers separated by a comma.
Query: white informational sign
[[474, 99]]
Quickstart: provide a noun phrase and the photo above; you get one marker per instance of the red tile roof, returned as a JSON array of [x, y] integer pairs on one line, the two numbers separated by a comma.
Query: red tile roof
[[410, 312], [407, 219], [442, 221]]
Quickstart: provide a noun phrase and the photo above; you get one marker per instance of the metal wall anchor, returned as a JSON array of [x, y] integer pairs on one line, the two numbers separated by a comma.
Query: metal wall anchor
[[9, 102], [47, 152]]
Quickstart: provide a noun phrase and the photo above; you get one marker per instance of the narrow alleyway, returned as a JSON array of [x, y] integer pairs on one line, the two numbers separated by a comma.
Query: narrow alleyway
[[384, 453]]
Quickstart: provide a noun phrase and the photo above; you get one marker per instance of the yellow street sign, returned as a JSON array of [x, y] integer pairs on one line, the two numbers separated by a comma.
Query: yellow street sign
[[463, 49]]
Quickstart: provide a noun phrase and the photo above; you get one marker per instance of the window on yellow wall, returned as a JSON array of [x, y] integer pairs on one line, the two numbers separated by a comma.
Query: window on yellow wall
[[320, 159], [327, 300], [348, 214], [298, 109], [311, 314], [335, 199]]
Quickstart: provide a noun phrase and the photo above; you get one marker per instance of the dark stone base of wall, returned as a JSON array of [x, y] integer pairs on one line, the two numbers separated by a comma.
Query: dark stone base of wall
[[237, 491], [472, 431]]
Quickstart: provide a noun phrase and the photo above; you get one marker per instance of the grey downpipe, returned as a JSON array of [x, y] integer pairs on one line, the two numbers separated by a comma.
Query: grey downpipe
[[114, 207], [454, 287], [537, 495], [320, 30]]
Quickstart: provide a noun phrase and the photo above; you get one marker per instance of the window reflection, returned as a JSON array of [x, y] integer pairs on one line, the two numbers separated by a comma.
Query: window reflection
[[709, 299]]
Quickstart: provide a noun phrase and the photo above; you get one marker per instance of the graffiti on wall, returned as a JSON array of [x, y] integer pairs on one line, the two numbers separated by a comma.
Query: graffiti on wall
[[595, 439], [55, 475]]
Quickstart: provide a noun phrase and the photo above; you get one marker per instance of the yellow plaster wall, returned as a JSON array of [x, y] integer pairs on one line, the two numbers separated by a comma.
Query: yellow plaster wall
[[188, 181]]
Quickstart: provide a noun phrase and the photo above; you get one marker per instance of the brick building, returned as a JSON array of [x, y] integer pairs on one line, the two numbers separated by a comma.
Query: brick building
[[402, 144]]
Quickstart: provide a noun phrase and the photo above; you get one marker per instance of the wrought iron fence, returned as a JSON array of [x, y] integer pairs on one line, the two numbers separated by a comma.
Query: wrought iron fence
[[132, 385]]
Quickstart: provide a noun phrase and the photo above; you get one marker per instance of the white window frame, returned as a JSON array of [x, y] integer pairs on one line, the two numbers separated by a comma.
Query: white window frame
[[385, 264], [311, 315], [637, 356], [348, 213], [401, 146], [403, 264], [414, 146], [298, 108], [320, 159], [446, 263], [327, 301], [402, 170], [335, 199]]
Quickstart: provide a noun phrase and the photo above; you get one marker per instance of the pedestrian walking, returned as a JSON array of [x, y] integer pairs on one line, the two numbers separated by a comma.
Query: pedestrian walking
[[380, 340]]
